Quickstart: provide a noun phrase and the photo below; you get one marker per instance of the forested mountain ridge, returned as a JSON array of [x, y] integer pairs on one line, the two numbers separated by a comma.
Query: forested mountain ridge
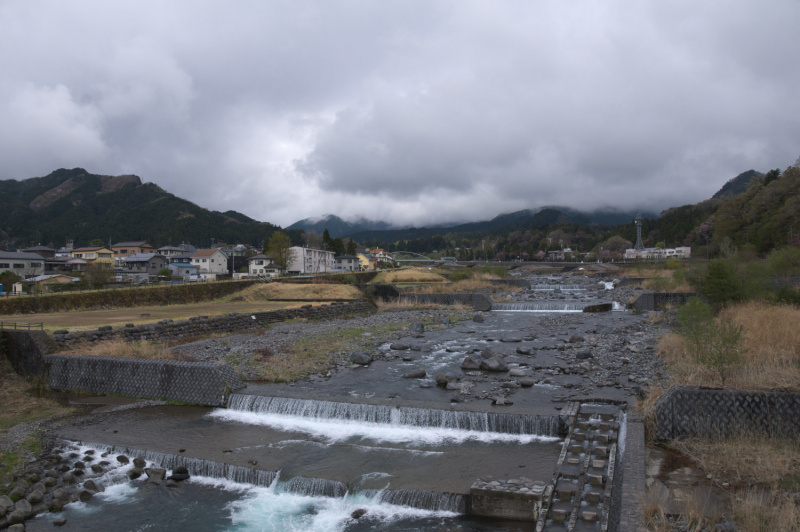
[[77, 205]]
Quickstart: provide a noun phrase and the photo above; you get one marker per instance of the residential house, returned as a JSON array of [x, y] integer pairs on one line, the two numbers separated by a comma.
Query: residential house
[[210, 261], [346, 263], [171, 251], [310, 260], [23, 264], [381, 256], [126, 249], [262, 266], [149, 263], [65, 251], [180, 269], [102, 256], [43, 283], [43, 251], [58, 265], [366, 262]]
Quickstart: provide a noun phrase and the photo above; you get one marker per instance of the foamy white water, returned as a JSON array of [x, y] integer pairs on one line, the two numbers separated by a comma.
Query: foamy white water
[[273, 510], [335, 430]]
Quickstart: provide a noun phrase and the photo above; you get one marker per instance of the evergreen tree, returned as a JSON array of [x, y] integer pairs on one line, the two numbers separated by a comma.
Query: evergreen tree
[[351, 247]]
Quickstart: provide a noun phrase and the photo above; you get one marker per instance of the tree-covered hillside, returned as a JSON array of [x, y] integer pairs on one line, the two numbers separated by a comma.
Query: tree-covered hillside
[[77, 205]]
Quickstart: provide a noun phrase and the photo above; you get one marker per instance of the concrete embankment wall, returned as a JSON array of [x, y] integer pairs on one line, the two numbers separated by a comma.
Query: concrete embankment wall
[[192, 382], [201, 325], [691, 411], [123, 298]]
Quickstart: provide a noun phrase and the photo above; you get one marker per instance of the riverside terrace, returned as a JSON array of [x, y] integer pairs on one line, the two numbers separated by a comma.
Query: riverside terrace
[[410, 453]]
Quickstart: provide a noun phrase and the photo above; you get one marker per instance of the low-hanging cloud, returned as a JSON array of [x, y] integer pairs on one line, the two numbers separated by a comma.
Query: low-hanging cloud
[[411, 112]]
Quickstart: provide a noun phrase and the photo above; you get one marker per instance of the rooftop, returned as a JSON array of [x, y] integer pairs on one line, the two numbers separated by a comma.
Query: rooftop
[[20, 255]]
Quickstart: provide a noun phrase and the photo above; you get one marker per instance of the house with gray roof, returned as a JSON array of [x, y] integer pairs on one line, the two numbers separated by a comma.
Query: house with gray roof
[[150, 263], [23, 264]]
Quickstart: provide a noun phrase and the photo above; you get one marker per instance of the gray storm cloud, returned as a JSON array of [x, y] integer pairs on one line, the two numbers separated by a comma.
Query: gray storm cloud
[[411, 112]]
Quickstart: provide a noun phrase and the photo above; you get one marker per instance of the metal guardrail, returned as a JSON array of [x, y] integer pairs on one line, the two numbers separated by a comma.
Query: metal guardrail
[[23, 326]]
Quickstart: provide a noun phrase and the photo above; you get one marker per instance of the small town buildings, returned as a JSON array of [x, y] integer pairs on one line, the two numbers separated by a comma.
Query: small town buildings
[[210, 261], [310, 260], [346, 263], [100, 255], [150, 263], [63, 265], [23, 264], [126, 249], [683, 252], [171, 251], [42, 251]]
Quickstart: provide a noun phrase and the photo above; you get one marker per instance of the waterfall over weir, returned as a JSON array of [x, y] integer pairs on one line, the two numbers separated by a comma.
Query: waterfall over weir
[[399, 416], [312, 487], [538, 307]]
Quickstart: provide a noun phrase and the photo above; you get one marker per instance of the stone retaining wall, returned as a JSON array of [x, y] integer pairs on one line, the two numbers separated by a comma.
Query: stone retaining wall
[[691, 411], [25, 349], [192, 382], [201, 325]]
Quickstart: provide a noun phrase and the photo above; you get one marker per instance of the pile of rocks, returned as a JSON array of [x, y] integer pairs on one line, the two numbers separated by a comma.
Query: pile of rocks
[[65, 476]]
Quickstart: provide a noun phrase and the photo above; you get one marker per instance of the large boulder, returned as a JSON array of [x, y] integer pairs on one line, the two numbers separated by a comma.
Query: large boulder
[[584, 355], [360, 357], [442, 379], [24, 507], [494, 364], [398, 346], [138, 462], [523, 350], [478, 318], [180, 473], [15, 517], [5, 504], [155, 474], [122, 459], [470, 363], [415, 374], [418, 328]]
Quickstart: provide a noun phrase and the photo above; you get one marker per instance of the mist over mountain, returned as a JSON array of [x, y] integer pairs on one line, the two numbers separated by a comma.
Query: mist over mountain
[[338, 227]]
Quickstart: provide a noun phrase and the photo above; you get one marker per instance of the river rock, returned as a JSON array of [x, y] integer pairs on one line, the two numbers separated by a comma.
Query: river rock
[[357, 514], [493, 364], [122, 459], [509, 385], [510, 339], [488, 353], [527, 383], [360, 357], [517, 373], [91, 485], [17, 494], [56, 505], [398, 346], [134, 473], [478, 318], [24, 507], [61, 494], [523, 350], [60, 521], [35, 496], [15, 517], [97, 468], [584, 355], [575, 339], [51, 473], [85, 495], [5, 504], [470, 363], [415, 374], [442, 379], [155, 474], [138, 462], [417, 328], [79, 465]]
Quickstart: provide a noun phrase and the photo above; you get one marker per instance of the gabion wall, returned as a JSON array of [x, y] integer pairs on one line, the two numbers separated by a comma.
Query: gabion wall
[[191, 382], [691, 411]]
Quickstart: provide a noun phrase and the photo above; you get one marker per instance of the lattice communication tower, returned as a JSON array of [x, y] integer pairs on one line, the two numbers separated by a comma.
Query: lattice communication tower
[[639, 244]]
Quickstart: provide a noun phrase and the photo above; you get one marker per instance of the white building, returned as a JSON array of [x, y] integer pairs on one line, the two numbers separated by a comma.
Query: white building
[[346, 263], [309, 260], [683, 252], [23, 264], [210, 261], [262, 266]]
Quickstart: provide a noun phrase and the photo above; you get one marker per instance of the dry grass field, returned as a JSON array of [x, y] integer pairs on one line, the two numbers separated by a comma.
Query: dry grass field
[[265, 292], [409, 276], [771, 355]]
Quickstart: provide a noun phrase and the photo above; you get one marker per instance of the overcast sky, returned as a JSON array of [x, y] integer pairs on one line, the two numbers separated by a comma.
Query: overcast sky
[[406, 111]]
